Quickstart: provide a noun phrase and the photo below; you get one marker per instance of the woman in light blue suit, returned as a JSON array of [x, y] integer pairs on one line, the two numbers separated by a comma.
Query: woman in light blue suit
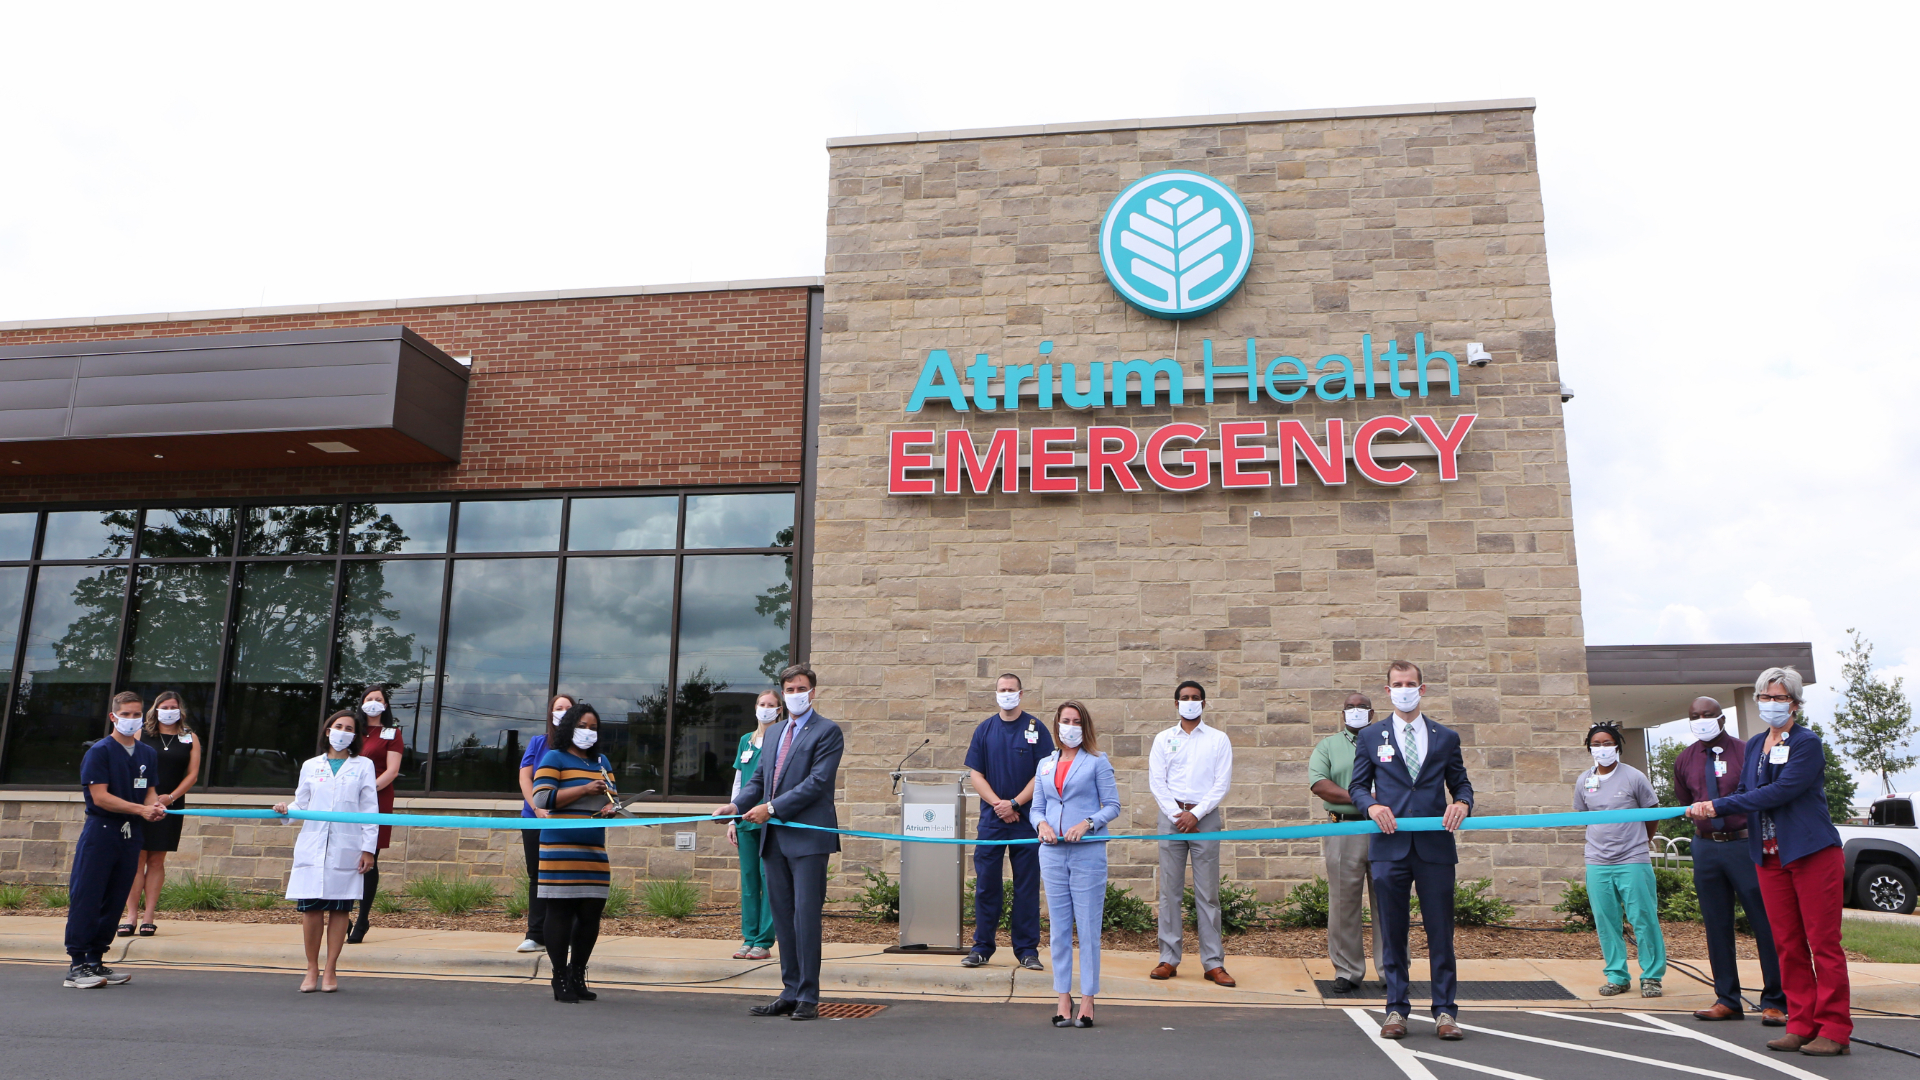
[[1074, 797]]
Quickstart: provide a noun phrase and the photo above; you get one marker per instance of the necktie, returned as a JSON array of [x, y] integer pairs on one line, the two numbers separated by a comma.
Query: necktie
[[780, 760], [1413, 752]]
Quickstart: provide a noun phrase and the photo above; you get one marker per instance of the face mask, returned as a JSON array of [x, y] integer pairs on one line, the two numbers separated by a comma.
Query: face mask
[[557, 714], [1070, 734], [1776, 713], [1604, 756], [584, 738], [1405, 698], [373, 708], [167, 716], [1007, 699], [797, 703], [1191, 710], [767, 714], [128, 725], [1359, 718], [339, 739], [1706, 728]]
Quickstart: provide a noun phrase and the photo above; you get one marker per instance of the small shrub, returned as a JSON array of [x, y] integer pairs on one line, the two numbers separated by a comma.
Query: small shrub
[[880, 900], [13, 897], [670, 898], [387, 903], [191, 892], [619, 903], [1306, 905], [256, 901], [1575, 908], [55, 898], [1006, 901], [1125, 911], [427, 888], [515, 901], [1239, 908], [1473, 905]]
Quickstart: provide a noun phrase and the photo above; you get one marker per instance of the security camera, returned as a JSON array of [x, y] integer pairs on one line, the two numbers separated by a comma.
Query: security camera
[[1566, 393], [1477, 355]]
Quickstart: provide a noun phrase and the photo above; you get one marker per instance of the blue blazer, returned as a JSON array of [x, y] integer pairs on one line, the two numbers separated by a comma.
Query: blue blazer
[[1442, 779], [1090, 793], [806, 785], [1794, 794]]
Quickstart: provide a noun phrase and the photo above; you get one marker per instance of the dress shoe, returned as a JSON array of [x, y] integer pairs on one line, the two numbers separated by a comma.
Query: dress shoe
[[1788, 1043], [1162, 971], [1447, 1028], [1061, 1021], [1219, 977], [1825, 1047], [1773, 1018], [1344, 985], [1395, 1027], [1720, 1011], [806, 1010], [776, 1007]]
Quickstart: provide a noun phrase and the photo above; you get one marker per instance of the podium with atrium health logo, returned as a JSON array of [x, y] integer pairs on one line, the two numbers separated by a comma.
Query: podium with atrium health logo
[[932, 875]]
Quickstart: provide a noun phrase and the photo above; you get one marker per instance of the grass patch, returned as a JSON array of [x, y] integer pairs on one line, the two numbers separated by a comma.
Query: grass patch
[[671, 898], [1886, 943], [191, 892], [256, 901], [55, 898], [387, 903], [14, 897], [516, 899], [619, 902], [448, 897]]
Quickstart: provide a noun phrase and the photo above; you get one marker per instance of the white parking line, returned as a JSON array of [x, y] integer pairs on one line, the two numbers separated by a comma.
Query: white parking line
[[1608, 1023], [1596, 1050], [1396, 1053], [1473, 1065], [1741, 1051]]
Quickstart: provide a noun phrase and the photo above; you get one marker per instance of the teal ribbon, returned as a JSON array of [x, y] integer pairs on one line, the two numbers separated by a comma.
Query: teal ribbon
[[1566, 820]]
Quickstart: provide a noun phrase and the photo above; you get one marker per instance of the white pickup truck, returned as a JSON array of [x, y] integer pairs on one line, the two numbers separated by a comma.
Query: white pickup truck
[[1883, 856]]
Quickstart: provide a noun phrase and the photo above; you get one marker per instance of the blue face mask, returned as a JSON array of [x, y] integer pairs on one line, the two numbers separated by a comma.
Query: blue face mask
[[1776, 713]]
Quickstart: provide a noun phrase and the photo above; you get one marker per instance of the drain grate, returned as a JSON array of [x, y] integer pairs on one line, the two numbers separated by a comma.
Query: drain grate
[[1487, 990], [839, 1011]]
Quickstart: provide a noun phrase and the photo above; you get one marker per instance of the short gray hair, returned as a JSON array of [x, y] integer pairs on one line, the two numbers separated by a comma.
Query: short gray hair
[[1786, 677]]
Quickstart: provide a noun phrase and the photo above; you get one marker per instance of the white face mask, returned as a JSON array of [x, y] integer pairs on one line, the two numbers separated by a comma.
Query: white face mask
[[128, 725], [339, 739], [1070, 734], [1604, 756], [584, 738], [766, 714], [557, 714], [167, 716], [1776, 713], [373, 708], [1359, 718], [1007, 699], [1191, 710], [1707, 728], [1405, 698], [797, 703]]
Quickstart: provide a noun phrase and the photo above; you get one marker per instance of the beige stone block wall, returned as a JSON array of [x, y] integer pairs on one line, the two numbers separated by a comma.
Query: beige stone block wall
[[1281, 600]]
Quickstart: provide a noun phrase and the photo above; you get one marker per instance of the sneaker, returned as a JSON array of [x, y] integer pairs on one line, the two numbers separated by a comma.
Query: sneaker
[[1614, 989], [1650, 988], [974, 959], [1031, 962], [110, 976], [530, 945], [81, 977]]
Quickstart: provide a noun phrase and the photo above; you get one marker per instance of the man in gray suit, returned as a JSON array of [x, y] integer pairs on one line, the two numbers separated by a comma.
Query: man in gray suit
[[795, 783]]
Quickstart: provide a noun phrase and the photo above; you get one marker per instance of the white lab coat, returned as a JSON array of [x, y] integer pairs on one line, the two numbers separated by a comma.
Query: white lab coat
[[326, 857]]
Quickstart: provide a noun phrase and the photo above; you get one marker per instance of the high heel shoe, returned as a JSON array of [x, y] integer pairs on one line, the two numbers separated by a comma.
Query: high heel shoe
[[563, 989], [1064, 1021], [577, 975]]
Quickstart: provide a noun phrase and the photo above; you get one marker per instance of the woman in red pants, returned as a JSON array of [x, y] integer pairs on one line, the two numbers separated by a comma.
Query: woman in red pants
[[1783, 790]]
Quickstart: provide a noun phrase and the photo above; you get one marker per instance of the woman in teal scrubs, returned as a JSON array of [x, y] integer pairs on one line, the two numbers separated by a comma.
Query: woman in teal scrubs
[[756, 914]]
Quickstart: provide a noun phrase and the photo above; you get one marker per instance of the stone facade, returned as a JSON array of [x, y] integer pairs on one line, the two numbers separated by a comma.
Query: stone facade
[[1282, 599]]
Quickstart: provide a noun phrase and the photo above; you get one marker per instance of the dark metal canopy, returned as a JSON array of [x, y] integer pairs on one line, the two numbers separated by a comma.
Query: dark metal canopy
[[364, 395], [1686, 665]]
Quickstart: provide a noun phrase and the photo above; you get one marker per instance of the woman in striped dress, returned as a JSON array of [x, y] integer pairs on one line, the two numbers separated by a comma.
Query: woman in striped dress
[[569, 783]]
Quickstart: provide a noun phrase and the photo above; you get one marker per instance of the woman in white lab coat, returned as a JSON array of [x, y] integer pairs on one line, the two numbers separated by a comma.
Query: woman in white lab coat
[[329, 857]]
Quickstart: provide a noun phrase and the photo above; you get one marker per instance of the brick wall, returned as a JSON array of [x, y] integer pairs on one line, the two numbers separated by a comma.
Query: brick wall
[[685, 388]]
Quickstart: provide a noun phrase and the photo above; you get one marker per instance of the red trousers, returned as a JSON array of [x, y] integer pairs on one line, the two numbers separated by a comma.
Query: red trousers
[[1803, 906]]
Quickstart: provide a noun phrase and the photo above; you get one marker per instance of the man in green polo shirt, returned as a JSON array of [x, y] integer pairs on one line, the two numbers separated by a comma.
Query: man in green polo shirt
[[1347, 878]]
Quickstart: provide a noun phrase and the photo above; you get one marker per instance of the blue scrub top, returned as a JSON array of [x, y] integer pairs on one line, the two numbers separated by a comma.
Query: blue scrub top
[[1001, 753], [107, 762], [536, 749]]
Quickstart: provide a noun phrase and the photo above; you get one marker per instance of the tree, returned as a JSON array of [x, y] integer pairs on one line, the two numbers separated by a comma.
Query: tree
[[1660, 774], [1874, 721], [1840, 785]]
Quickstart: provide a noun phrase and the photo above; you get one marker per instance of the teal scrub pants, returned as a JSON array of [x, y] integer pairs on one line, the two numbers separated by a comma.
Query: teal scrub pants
[[756, 913], [1627, 891]]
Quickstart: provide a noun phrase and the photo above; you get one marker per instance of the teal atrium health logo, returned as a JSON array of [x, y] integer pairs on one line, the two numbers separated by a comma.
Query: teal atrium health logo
[[1176, 244]]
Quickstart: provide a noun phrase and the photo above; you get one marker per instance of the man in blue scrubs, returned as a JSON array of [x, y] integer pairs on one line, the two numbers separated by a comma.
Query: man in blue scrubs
[[119, 778], [1006, 749]]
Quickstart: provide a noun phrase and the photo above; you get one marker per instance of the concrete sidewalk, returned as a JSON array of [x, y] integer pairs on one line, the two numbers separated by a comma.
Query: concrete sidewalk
[[858, 971]]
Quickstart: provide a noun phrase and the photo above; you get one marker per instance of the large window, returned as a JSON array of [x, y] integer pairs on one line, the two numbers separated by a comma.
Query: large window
[[668, 611]]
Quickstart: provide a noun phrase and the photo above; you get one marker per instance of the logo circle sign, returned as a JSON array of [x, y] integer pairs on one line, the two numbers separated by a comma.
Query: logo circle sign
[[1176, 244]]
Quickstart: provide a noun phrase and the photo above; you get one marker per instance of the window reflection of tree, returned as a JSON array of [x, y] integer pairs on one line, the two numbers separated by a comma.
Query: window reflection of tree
[[373, 649], [777, 602], [179, 622], [175, 534], [292, 530], [280, 639], [61, 706]]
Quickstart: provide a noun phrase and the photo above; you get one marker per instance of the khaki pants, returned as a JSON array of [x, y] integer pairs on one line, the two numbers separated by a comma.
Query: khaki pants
[[1348, 879], [1205, 856]]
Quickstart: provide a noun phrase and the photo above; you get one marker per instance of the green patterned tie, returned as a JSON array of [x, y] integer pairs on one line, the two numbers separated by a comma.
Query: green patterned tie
[[1413, 751]]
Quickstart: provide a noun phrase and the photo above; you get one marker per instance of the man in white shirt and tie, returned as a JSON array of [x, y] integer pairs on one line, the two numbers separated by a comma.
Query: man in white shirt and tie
[[1189, 771]]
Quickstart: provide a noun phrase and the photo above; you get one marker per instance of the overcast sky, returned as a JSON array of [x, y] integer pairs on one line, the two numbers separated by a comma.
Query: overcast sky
[[1729, 193]]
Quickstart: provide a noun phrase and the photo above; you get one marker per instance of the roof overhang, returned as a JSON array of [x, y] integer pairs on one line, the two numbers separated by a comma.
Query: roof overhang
[[365, 395], [1647, 685]]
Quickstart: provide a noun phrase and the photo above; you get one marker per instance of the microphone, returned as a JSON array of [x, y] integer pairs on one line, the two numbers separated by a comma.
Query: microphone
[[897, 769]]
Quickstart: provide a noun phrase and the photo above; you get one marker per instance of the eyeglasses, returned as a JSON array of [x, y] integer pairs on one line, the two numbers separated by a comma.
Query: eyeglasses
[[1773, 697]]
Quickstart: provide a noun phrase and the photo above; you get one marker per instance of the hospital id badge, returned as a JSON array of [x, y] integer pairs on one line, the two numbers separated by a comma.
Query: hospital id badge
[[746, 756], [1779, 755], [1033, 736], [1719, 767], [387, 732], [1593, 784], [1386, 752], [139, 782]]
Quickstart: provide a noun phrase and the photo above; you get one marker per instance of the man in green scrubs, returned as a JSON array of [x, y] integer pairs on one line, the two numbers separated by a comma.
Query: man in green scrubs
[[1348, 879]]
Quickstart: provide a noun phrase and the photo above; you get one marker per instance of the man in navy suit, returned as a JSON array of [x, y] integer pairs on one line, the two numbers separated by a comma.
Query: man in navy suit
[[1408, 766], [795, 783]]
